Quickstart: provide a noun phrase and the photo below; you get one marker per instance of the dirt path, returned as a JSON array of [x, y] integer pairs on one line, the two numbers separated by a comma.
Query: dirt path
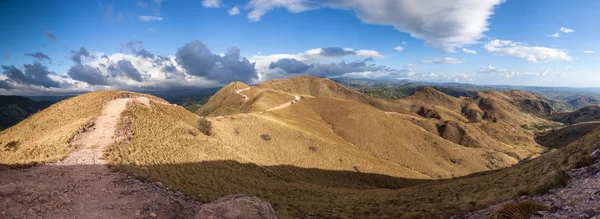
[[287, 104], [82, 185], [91, 143], [244, 95]]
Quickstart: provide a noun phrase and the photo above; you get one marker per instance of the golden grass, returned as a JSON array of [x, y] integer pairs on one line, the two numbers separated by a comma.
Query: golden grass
[[45, 136], [519, 210], [167, 147]]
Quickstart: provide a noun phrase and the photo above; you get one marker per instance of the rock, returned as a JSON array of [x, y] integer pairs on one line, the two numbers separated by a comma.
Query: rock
[[152, 214], [237, 206], [595, 155], [110, 207]]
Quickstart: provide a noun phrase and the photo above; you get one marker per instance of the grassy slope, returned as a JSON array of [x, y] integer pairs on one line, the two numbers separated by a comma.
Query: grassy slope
[[167, 148]]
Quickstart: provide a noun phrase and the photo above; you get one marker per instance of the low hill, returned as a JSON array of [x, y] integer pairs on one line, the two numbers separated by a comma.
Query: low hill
[[585, 114], [14, 109], [567, 135], [582, 102]]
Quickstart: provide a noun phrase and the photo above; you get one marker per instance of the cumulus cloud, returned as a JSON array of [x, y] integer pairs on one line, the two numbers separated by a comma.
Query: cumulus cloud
[[149, 18], [234, 11], [50, 35], [39, 56], [336, 52], [88, 74], [566, 30], [440, 23], [468, 51], [445, 60], [399, 48], [334, 69], [198, 60], [211, 3], [34, 74], [137, 48], [79, 55], [534, 54]]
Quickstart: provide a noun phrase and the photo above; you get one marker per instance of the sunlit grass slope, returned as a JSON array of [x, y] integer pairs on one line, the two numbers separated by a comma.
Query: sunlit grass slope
[[302, 172], [45, 136]]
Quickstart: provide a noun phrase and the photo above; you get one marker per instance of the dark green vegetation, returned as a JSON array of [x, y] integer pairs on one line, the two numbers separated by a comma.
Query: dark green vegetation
[[14, 109]]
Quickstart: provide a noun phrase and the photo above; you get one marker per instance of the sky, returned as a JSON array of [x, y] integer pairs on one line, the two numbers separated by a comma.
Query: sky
[[65, 46]]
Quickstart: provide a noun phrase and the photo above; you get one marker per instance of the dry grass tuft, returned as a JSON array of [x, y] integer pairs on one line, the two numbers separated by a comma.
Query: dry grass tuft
[[266, 137], [205, 126], [519, 210]]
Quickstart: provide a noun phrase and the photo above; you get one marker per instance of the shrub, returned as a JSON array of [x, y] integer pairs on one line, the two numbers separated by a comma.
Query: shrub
[[204, 126], [11, 146], [557, 179], [237, 131], [313, 148], [266, 137], [518, 210]]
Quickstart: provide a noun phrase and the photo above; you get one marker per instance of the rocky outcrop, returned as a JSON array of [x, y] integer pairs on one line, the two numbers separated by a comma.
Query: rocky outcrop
[[579, 199], [238, 207]]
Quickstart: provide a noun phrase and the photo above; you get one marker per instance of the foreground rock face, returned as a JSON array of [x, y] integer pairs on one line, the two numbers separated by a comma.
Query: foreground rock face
[[238, 207], [579, 199]]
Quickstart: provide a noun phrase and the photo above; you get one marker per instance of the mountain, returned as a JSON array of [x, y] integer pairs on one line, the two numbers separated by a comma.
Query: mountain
[[585, 114], [14, 109], [308, 146], [583, 101]]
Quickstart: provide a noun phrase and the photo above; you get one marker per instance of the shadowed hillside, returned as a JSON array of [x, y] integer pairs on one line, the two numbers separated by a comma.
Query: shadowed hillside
[[14, 109], [585, 114]]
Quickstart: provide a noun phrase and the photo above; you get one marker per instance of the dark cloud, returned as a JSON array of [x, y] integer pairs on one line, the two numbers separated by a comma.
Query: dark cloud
[[335, 52], [170, 68], [50, 35], [198, 60], [39, 56], [293, 66], [34, 74], [88, 74], [82, 52], [126, 69], [137, 48]]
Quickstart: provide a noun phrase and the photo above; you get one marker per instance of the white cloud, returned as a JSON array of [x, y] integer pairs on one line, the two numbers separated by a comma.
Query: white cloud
[[440, 23], [404, 42], [468, 51], [150, 18], [399, 48], [504, 73], [566, 30], [369, 54], [211, 3], [234, 11], [562, 29], [589, 51], [534, 54], [445, 60], [309, 56]]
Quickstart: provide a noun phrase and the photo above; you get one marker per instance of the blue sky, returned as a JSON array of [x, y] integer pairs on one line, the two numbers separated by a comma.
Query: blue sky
[[160, 44]]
